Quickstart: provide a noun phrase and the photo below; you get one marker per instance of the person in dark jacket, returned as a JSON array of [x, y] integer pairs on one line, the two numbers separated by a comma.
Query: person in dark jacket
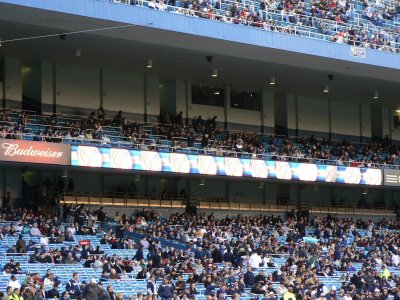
[[139, 254], [180, 285], [249, 278], [228, 257], [21, 245], [157, 259], [91, 291], [166, 290], [151, 286], [111, 293], [53, 293], [216, 255], [103, 294], [64, 296], [74, 288]]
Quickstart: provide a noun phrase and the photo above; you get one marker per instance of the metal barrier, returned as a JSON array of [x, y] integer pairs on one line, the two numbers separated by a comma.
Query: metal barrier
[[177, 201]]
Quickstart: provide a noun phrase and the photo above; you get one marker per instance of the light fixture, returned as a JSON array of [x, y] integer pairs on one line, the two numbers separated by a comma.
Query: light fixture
[[235, 104], [365, 191], [149, 63], [136, 177], [216, 92], [375, 95], [0, 42], [64, 174], [398, 110], [272, 81], [78, 53], [214, 73], [261, 185], [326, 88], [202, 182]]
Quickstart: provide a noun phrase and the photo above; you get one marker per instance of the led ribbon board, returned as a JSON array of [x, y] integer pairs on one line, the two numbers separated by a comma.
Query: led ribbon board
[[98, 157]]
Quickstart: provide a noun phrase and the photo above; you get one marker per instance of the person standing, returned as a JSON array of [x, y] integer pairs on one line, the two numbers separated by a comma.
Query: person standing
[[166, 290], [91, 291], [21, 244], [103, 294], [151, 286], [73, 287]]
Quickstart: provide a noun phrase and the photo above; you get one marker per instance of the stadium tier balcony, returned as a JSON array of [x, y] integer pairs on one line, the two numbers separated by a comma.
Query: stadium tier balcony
[[202, 137], [372, 25]]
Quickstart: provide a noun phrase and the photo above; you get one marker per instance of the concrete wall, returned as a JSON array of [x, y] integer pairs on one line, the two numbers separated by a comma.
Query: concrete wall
[[13, 82], [77, 89], [345, 120], [313, 116], [31, 81], [123, 91], [322, 117]]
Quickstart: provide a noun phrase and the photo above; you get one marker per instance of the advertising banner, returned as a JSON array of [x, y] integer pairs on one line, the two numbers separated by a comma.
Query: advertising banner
[[391, 177], [35, 152], [87, 156], [358, 52]]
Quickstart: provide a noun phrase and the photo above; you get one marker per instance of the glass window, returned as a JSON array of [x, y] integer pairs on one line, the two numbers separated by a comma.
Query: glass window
[[207, 95], [396, 119], [245, 99]]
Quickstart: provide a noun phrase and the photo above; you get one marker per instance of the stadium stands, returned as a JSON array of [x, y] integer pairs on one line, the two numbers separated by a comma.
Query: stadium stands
[[244, 235], [368, 24], [205, 257], [201, 137]]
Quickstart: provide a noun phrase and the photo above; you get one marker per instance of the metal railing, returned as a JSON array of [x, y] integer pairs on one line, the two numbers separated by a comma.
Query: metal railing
[[130, 199], [123, 199]]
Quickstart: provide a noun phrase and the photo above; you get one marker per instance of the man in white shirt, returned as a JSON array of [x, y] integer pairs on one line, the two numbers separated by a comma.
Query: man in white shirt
[[44, 241], [255, 260], [49, 281], [14, 282], [395, 259]]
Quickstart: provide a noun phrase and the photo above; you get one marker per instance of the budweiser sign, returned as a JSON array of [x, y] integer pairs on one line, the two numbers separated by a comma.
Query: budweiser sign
[[35, 152]]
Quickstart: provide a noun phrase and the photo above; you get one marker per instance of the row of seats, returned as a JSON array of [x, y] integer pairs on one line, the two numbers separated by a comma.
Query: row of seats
[[161, 143]]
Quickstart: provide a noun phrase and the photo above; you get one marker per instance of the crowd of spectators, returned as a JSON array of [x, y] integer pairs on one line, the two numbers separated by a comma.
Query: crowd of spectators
[[270, 257], [203, 134], [368, 24], [207, 135]]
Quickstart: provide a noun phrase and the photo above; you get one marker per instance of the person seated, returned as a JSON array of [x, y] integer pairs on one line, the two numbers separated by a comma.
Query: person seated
[[92, 118], [257, 289], [118, 119], [114, 275]]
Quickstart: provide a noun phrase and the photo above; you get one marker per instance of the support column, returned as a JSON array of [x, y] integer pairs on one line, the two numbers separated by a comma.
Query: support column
[[267, 112]]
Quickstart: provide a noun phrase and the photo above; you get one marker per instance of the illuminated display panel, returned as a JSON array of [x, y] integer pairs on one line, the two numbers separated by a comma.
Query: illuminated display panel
[[85, 156]]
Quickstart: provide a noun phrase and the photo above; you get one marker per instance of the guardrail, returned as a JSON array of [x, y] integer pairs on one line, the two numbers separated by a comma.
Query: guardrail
[[177, 201], [124, 199]]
